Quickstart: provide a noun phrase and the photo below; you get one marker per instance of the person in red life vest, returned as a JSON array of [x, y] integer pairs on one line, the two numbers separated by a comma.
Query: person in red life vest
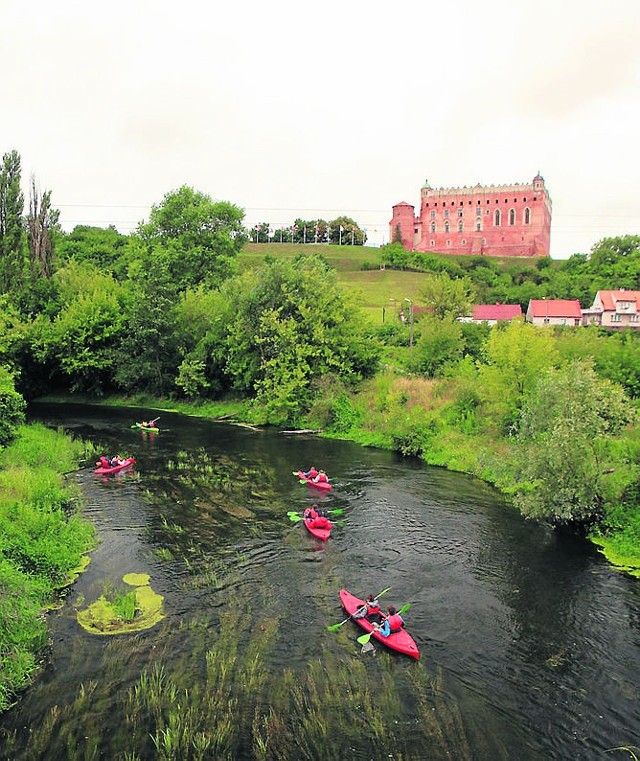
[[311, 473], [311, 513], [391, 624], [370, 610], [321, 478], [104, 462], [317, 518]]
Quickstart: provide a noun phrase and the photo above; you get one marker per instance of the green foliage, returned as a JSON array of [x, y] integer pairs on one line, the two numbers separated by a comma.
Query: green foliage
[[77, 344], [41, 544], [290, 324], [12, 407], [445, 296], [567, 425], [192, 238], [104, 248], [13, 242], [441, 343], [515, 356]]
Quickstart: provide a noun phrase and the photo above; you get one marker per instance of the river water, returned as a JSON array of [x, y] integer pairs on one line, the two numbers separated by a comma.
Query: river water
[[530, 641]]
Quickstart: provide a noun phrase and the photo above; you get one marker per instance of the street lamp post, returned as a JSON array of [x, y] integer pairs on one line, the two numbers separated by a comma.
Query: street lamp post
[[410, 322]]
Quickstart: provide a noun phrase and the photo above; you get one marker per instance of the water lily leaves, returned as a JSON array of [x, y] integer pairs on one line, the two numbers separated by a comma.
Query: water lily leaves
[[101, 616]]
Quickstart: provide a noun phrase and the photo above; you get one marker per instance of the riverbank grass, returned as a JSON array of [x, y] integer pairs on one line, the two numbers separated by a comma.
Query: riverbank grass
[[42, 542]]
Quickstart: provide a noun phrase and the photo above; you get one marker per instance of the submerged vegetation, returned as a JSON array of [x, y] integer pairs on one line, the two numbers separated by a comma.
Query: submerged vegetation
[[241, 706]]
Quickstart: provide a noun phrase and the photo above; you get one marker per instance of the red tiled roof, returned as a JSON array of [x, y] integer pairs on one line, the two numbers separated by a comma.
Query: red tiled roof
[[555, 308], [496, 312], [609, 298]]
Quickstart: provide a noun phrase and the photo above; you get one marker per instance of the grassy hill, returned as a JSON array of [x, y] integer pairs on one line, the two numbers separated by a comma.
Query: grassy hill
[[377, 291]]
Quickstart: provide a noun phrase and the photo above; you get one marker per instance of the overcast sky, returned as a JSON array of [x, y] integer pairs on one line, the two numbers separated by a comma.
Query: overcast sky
[[318, 109]]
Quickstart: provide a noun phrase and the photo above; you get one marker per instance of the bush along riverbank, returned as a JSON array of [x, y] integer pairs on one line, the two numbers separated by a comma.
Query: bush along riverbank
[[42, 545]]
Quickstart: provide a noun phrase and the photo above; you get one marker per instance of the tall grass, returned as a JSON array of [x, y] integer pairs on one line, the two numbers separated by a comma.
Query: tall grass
[[41, 542]]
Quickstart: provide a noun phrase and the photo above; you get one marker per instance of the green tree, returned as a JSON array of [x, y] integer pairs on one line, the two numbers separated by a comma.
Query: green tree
[[350, 234], [12, 234], [448, 297], [104, 247], [12, 407], [441, 343], [192, 238], [292, 324], [569, 423], [42, 221], [515, 355], [77, 345]]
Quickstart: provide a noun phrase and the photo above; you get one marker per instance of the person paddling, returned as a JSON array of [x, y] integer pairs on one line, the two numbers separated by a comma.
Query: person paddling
[[315, 518], [321, 478], [392, 623], [311, 473], [370, 610]]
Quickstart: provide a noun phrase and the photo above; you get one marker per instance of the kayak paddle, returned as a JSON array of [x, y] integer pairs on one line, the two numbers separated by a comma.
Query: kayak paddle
[[366, 637], [335, 627]]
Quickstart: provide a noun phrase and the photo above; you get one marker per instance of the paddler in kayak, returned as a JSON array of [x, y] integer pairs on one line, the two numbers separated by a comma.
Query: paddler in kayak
[[317, 518], [321, 478], [370, 610], [392, 623], [115, 461], [311, 473]]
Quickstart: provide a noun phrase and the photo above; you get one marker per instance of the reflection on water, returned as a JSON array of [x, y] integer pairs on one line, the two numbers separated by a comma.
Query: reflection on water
[[529, 641]]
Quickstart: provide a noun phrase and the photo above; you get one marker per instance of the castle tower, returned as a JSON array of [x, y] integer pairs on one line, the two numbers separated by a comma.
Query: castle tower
[[403, 225]]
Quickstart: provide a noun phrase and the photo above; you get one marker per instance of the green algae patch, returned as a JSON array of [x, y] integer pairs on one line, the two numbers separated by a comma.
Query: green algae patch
[[136, 579], [103, 616]]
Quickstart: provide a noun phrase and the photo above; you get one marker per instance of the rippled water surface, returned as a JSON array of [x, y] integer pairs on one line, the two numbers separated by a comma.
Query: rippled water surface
[[529, 640]]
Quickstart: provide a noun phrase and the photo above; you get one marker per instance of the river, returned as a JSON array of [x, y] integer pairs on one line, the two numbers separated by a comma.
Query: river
[[530, 641]]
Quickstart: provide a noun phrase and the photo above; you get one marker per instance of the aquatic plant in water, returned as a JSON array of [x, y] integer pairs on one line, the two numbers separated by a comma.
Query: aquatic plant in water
[[127, 612]]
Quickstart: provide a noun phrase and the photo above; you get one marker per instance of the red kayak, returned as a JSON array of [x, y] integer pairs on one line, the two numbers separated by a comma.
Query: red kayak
[[102, 470], [401, 641], [322, 485], [319, 533]]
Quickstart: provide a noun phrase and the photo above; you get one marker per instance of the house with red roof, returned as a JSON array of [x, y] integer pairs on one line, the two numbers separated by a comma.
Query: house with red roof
[[492, 313], [554, 312], [614, 309]]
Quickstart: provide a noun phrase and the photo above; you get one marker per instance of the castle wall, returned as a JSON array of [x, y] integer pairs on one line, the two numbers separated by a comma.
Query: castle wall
[[500, 220]]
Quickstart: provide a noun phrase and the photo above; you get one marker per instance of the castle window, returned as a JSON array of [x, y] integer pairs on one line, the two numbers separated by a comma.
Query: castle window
[[433, 227], [527, 216], [448, 243], [484, 241], [432, 242], [415, 230], [497, 220], [479, 224], [433, 215], [488, 201], [460, 226], [446, 213], [512, 216], [464, 241], [446, 227], [470, 202], [534, 198], [460, 212], [461, 203], [524, 199]]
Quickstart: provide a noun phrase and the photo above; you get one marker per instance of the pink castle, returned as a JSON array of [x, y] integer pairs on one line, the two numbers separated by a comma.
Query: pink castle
[[485, 220]]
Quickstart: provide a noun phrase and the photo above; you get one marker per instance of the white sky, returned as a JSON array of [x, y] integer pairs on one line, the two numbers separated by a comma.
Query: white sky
[[318, 109]]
